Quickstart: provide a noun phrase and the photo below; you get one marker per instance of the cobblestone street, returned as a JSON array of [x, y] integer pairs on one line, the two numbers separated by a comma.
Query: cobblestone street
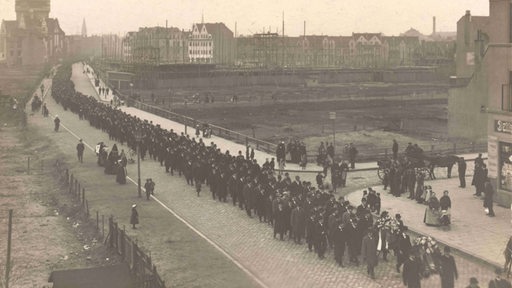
[[275, 263]]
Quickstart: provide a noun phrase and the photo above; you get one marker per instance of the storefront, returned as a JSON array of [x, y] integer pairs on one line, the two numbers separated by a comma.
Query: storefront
[[499, 162]]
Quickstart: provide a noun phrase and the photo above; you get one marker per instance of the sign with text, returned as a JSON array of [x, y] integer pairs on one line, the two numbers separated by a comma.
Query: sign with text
[[503, 126]]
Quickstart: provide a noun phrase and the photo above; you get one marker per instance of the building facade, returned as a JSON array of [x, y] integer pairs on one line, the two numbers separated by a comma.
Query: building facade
[[484, 106], [360, 50], [33, 38], [156, 46], [211, 43]]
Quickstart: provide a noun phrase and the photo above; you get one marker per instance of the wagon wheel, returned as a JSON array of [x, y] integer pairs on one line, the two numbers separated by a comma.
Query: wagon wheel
[[380, 173]]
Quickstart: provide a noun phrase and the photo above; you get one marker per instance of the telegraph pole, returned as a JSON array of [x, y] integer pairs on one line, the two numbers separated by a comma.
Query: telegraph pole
[[8, 263]]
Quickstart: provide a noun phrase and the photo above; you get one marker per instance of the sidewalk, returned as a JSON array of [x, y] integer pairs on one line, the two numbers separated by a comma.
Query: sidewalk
[[79, 67], [471, 232], [276, 263]]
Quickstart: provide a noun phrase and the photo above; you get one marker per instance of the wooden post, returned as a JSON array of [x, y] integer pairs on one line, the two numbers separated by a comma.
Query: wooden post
[[71, 183], [454, 147], [8, 263], [67, 176], [79, 189], [87, 208], [102, 226], [97, 220], [83, 195], [111, 231], [122, 243]]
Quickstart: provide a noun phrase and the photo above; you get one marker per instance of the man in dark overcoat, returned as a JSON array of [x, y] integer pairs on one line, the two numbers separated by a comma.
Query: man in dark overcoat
[[369, 252], [298, 222], [411, 275]]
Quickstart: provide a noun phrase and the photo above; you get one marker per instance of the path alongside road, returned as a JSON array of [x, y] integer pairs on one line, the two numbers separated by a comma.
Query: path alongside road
[[471, 231], [276, 263]]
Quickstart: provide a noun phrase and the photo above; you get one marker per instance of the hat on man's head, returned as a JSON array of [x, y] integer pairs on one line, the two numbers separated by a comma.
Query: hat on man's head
[[134, 205], [498, 271]]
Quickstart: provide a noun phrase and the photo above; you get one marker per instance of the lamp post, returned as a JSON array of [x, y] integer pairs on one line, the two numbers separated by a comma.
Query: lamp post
[[332, 116], [138, 137]]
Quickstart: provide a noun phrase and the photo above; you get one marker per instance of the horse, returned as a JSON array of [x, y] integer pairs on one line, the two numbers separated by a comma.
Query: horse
[[441, 161]]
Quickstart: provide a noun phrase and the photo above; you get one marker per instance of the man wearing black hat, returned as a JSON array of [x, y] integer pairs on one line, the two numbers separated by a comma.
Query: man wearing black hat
[[80, 147], [448, 271], [462, 172], [411, 274], [369, 252]]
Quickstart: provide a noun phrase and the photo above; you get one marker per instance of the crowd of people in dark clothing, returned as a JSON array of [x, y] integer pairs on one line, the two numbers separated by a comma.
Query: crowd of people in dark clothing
[[295, 209]]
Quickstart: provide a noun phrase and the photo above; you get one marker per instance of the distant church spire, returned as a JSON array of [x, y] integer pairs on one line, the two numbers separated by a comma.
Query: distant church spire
[[84, 29], [202, 18]]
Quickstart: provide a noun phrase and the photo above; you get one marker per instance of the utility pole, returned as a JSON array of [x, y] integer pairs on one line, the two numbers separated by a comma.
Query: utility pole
[[8, 263]]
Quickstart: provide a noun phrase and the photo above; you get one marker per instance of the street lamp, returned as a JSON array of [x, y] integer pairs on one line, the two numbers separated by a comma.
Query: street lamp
[[138, 137]]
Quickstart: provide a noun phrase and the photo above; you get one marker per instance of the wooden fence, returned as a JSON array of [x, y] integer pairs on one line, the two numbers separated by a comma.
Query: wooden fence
[[143, 271]]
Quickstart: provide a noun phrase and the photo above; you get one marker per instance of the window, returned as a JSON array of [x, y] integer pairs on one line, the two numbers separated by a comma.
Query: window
[[505, 167]]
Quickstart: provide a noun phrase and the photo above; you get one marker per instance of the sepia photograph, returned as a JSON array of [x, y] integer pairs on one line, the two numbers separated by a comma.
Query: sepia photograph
[[265, 144]]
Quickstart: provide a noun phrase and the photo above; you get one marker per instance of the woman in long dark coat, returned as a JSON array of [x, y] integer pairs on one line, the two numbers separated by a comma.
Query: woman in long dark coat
[[134, 218], [120, 173], [489, 192]]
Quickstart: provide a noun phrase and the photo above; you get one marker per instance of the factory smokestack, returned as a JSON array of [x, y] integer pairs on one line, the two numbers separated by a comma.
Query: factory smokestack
[[434, 26]]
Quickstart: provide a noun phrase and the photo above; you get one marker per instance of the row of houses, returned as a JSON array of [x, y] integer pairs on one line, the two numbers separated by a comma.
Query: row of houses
[[34, 38], [215, 43]]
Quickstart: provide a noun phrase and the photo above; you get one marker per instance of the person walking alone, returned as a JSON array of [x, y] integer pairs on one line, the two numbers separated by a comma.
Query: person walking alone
[[149, 187], [488, 202], [134, 218], [56, 121], [462, 172], [80, 147], [395, 149]]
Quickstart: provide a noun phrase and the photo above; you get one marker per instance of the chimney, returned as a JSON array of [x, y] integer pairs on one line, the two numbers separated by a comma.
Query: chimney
[[434, 25], [283, 24], [467, 19]]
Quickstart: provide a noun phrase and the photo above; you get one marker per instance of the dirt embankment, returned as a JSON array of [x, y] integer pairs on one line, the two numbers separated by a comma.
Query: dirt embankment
[[48, 232]]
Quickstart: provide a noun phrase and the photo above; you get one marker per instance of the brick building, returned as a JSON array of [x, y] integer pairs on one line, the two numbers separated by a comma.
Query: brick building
[[483, 108], [33, 38]]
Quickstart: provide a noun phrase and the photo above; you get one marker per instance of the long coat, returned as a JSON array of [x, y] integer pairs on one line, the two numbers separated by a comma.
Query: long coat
[[411, 273], [369, 250], [134, 218], [448, 271], [298, 221]]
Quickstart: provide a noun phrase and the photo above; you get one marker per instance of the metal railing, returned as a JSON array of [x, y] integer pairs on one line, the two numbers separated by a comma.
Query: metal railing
[[191, 123]]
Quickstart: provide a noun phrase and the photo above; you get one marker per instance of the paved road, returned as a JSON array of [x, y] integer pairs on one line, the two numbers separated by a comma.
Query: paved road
[[276, 263], [471, 230]]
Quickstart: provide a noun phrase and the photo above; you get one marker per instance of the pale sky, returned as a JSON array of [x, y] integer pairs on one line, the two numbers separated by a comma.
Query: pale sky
[[323, 17]]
